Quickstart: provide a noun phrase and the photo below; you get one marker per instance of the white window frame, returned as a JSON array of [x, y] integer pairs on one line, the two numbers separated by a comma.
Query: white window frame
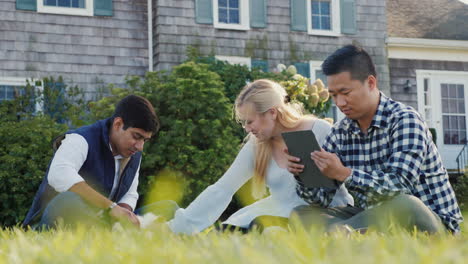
[[335, 20], [244, 17], [20, 81], [247, 61], [87, 11], [317, 65]]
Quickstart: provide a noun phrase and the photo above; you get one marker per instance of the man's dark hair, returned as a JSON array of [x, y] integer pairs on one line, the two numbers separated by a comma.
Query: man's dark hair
[[137, 111], [352, 59]]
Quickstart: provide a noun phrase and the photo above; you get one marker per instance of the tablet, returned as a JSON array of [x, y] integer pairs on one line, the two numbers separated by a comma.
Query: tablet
[[300, 144]]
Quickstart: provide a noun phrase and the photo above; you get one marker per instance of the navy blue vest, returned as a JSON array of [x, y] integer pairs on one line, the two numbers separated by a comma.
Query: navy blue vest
[[98, 170]]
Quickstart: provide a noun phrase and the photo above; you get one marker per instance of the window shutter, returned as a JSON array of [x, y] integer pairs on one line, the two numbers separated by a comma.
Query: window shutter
[[204, 11], [298, 15], [258, 12], [303, 68], [54, 100], [348, 16], [103, 8], [30, 5], [260, 64]]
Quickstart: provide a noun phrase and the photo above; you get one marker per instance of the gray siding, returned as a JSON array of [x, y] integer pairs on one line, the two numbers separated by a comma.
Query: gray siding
[[402, 70], [175, 29], [87, 51]]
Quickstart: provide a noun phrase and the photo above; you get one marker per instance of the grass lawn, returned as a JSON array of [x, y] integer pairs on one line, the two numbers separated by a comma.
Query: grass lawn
[[159, 245]]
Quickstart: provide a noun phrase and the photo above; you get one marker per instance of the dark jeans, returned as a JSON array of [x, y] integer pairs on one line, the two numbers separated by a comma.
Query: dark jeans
[[70, 209], [404, 211]]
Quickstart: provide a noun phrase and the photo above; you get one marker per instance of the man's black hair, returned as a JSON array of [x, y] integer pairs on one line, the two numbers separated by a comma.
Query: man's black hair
[[137, 112], [352, 59]]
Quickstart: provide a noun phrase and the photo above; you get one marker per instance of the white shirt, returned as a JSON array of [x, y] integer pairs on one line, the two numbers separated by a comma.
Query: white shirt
[[67, 162], [210, 204]]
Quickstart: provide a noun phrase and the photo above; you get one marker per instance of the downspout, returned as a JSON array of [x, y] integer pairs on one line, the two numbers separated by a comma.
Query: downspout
[[150, 35]]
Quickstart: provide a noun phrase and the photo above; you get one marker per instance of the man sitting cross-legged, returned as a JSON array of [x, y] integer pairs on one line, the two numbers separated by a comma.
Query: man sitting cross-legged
[[384, 154], [95, 170]]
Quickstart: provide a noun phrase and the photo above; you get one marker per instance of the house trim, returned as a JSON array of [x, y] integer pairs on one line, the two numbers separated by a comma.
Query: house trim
[[247, 61], [427, 49], [314, 65], [87, 11]]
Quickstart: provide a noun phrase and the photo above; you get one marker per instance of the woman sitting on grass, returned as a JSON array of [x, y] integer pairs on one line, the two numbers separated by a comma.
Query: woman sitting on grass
[[263, 108]]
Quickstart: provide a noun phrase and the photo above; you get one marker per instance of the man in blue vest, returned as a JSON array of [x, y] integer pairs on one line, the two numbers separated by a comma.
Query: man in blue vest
[[93, 176]]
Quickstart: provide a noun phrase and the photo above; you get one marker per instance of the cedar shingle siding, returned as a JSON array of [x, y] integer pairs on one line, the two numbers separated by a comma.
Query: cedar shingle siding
[[175, 29], [86, 51]]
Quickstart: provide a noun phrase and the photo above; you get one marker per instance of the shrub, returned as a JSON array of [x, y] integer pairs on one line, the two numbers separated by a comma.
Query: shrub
[[24, 155], [460, 186], [26, 136], [196, 139]]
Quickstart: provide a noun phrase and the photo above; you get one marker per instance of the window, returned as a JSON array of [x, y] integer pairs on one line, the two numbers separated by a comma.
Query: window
[[231, 14], [236, 60], [66, 7], [228, 11], [316, 73], [453, 113], [10, 92], [323, 17], [12, 87]]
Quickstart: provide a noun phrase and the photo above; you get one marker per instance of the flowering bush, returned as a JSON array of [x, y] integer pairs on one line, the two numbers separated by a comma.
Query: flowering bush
[[313, 96]]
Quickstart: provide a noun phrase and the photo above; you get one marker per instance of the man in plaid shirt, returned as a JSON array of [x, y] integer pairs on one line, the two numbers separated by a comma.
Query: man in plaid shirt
[[383, 152]]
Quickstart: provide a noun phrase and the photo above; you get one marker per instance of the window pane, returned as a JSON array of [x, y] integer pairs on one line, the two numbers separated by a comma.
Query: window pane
[[234, 16], [446, 122], [64, 3], [454, 122], [325, 8], [462, 136], [454, 136], [461, 106], [222, 3], [10, 92], [426, 85], [446, 137], [78, 3], [445, 107], [2, 92], [315, 22], [325, 22], [461, 91], [444, 89], [452, 91], [50, 2], [452, 106], [461, 123], [222, 14], [233, 3], [315, 7]]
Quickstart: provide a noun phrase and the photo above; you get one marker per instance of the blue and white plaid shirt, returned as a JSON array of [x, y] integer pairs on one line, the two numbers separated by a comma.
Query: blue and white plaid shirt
[[397, 156]]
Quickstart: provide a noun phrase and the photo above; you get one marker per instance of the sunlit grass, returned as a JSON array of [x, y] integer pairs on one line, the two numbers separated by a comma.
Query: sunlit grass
[[159, 245]]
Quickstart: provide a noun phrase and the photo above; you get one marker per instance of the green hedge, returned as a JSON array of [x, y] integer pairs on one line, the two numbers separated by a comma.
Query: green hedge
[[24, 155], [196, 139]]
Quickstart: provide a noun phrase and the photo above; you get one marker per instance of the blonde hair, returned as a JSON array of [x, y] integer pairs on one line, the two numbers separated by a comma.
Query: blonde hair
[[264, 95]]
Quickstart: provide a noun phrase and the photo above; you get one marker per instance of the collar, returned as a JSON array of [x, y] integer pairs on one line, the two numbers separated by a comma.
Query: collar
[[378, 121]]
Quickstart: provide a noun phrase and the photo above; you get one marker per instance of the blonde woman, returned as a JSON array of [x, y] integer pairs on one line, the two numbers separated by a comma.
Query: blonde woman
[[265, 112]]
